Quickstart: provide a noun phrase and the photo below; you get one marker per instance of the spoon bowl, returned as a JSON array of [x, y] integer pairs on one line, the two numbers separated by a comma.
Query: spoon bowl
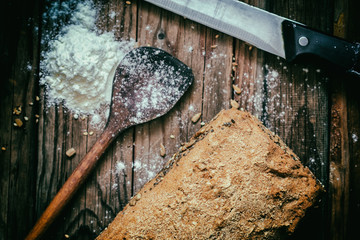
[[147, 84]]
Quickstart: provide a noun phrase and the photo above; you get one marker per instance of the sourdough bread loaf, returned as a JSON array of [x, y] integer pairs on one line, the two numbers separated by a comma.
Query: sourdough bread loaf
[[233, 180]]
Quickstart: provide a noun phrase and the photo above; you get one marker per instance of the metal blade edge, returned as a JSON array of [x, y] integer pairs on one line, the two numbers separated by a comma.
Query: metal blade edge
[[253, 25]]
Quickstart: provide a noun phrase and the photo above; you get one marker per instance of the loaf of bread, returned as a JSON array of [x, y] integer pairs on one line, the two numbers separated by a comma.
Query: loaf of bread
[[233, 180]]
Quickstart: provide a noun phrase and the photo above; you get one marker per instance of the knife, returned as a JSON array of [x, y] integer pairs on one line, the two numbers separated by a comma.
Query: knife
[[283, 37]]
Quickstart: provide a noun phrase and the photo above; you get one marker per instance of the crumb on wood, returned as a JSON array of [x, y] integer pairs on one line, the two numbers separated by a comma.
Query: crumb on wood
[[234, 104], [70, 152], [237, 90], [18, 122], [162, 150], [196, 117], [17, 110]]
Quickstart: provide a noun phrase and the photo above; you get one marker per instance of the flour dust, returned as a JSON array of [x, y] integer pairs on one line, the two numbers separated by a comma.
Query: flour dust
[[78, 63]]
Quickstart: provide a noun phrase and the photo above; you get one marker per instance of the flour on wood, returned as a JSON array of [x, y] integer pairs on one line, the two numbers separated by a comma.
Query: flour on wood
[[79, 65]]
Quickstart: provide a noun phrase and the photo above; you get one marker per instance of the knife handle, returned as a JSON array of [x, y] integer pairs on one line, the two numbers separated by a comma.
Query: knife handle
[[302, 40]]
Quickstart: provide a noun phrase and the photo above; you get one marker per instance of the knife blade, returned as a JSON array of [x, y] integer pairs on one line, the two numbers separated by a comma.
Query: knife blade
[[275, 34]]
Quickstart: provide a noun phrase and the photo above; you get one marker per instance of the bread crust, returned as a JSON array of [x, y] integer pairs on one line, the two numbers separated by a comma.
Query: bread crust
[[234, 179]]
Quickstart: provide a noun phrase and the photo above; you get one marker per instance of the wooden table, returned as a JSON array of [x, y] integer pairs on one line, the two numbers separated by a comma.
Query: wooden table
[[314, 111]]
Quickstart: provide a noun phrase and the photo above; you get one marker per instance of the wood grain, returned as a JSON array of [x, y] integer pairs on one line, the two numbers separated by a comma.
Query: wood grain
[[303, 95], [19, 65], [107, 190], [291, 99], [344, 129], [316, 113], [176, 35]]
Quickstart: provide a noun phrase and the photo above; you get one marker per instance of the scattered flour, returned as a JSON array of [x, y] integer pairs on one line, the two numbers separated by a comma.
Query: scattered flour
[[137, 165], [120, 166], [79, 66], [354, 137], [154, 82]]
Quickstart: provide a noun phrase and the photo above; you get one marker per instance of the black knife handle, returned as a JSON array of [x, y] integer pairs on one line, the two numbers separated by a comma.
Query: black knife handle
[[300, 40]]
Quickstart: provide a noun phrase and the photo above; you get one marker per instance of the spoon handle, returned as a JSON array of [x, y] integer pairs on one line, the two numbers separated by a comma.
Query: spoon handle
[[72, 184]]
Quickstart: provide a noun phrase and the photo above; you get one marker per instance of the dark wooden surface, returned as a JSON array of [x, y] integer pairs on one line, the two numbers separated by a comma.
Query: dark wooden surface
[[316, 113]]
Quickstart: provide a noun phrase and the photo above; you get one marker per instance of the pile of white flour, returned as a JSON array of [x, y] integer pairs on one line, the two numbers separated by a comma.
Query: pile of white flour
[[78, 68]]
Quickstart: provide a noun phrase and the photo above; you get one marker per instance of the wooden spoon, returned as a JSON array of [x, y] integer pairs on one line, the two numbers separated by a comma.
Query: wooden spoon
[[147, 84]]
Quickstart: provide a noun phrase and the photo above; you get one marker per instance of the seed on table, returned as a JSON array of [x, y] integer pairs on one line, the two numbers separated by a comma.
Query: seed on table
[[18, 122], [236, 89], [234, 104], [17, 110], [196, 117], [138, 197], [70, 152], [162, 150]]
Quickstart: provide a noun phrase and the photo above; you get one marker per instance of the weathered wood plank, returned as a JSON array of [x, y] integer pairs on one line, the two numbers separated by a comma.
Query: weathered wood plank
[[19, 63], [344, 130], [248, 73], [6, 129], [353, 106], [248, 76], [115, 173], [191, 51], [217, 90], [107, 189], [110, 187], [299, 113], [210, 93], [353, 34], [152, 31], [291, 99], [175, 35], [339, 163], [55, 137]]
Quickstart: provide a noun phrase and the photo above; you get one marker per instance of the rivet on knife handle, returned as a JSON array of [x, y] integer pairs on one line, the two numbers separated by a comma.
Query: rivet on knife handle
[[302, 40]]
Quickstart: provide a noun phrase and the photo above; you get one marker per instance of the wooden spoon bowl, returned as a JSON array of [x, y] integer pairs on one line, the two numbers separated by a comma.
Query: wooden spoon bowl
[[147, 84]]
